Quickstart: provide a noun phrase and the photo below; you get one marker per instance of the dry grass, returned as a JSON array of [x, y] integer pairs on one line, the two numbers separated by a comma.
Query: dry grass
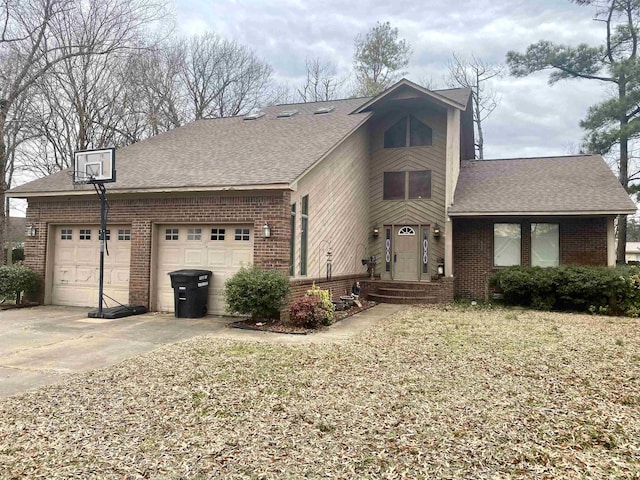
[[431, 393]]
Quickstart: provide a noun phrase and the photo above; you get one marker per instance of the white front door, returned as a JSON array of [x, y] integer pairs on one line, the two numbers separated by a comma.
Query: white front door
[[405, 255]]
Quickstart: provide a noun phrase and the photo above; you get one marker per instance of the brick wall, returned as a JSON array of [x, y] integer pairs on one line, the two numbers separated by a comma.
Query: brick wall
[[256, 208], [339, 286], [583, 241]]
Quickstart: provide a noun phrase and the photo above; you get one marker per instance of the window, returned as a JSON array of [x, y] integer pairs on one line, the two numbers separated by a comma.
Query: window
[[506, 244], [419, 184], [171, 234], [242, 234], [406, 232], [396, 136], [304, 234], [108, 232], [545, 245], [415, 185], [217, 234], [85, 234], [420, 134], [66, 234], [124, 234], [393, 186], [194, 234], [292, 242]]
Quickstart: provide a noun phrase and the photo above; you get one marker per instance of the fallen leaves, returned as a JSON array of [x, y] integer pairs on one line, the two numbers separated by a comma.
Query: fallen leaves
[[461, 393]]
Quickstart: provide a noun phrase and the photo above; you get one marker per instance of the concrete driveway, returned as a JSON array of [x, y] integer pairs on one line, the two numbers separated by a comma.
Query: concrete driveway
[[38, 345]]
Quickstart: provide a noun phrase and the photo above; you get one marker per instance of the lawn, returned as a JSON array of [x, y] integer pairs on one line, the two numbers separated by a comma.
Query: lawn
[[430, 393]]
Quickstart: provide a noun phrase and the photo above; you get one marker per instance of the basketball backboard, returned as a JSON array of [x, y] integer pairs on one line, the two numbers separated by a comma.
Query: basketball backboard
[[92, 166]]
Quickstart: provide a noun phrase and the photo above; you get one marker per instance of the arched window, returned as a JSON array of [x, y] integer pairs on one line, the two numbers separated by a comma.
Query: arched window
[[406, 231]]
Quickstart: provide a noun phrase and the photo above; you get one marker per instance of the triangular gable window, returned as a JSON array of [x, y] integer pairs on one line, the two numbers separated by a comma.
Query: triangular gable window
[[420, 134], [396, 136]]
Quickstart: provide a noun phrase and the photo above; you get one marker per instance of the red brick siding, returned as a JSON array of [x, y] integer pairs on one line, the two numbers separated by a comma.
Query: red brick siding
[[583, 241], [256, 208]]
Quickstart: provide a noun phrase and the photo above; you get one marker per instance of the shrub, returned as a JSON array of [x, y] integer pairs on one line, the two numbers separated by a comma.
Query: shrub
[[572, 287], [307, 312], [256, 292], [324, 301], [17, 279], [17, 255]]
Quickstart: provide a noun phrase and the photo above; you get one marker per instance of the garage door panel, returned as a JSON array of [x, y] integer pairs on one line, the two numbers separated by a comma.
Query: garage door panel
[[76, 269], [223, 256]]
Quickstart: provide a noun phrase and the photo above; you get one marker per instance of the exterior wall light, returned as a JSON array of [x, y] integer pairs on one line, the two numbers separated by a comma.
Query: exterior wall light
[[266, 231], [376, 231], [436, 231], [441, 267], [30, 230]]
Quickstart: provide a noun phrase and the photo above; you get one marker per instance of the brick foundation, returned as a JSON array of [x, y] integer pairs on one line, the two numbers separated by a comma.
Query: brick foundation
[[255, 208], [583, 241]]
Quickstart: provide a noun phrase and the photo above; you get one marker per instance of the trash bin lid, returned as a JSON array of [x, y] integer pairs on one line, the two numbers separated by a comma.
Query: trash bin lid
[[190, 273]]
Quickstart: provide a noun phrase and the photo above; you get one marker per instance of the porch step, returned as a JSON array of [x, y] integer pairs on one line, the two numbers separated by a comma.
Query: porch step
[[402, 292], [398, 299]]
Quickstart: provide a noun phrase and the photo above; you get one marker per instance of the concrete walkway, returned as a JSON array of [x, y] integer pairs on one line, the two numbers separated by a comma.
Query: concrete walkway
[[39, 345]]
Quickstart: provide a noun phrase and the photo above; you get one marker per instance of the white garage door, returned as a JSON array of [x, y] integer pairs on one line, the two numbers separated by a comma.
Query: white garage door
[[76, 265], [223, 249]]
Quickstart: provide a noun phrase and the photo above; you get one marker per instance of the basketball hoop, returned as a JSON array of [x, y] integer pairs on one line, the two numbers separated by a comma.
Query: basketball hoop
[[80, 179]]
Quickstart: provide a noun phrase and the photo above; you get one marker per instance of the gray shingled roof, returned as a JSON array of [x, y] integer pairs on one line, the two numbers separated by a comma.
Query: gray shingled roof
[[226, 152], [574, 184]]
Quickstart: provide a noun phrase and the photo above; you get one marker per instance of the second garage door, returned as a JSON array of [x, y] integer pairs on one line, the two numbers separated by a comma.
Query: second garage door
[[223, 249]]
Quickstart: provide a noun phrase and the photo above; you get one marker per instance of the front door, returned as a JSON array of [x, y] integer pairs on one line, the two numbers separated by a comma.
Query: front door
[[405, 255]]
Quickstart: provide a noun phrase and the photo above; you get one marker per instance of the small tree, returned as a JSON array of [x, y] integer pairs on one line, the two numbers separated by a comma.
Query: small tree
[[256, 292], [379, 59]]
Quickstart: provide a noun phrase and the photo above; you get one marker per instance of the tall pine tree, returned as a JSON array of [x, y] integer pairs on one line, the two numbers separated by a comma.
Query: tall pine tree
[[612, 124]]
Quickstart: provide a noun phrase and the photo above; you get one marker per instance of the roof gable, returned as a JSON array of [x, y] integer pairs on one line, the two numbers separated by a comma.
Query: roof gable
[[406, 89]]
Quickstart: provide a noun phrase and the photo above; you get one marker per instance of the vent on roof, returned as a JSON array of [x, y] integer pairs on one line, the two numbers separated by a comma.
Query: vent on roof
[[254, 116], [287, 113], [322, 110]]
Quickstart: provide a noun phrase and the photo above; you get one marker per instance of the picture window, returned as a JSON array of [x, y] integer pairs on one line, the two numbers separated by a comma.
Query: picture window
[[506, 244]]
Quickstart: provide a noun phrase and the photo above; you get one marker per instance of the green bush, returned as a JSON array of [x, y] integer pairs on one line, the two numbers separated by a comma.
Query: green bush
[[325, 303], [256, 292], [16, 280], [572, 287], [307, 312]]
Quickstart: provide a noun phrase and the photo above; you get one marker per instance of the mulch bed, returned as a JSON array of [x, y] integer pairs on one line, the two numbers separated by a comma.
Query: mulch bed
[[278, 326]]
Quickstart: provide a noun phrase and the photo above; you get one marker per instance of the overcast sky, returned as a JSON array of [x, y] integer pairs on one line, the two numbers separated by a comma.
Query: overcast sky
[[533, 118]]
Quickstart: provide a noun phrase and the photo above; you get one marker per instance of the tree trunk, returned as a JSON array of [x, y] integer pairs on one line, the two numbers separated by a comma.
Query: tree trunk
[[624, 173]]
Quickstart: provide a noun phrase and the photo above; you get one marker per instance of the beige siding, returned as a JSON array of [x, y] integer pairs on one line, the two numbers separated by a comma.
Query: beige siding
[[338, 208], [413, 212]]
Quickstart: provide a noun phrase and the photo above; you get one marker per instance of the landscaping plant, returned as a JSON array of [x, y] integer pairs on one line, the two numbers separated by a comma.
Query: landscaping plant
[[256, 292], [16, 280], [315, 309], [614, 291]]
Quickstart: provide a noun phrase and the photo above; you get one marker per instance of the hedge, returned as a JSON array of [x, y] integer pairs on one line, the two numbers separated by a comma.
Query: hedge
[[15, 280], [614, 291], [256, 292]]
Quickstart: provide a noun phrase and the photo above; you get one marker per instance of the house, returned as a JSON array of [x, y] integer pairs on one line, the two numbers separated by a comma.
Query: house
[[632, 253], [318, 187]]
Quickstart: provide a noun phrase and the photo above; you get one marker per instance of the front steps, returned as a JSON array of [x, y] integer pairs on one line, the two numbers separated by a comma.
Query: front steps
[[408, 292]]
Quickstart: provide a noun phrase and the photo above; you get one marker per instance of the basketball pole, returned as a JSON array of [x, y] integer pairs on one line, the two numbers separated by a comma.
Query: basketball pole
[[102, 192]]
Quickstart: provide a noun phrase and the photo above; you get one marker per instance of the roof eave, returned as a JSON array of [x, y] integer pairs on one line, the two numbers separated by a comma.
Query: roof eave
[[220, 188], [541, 213], [404, 82]]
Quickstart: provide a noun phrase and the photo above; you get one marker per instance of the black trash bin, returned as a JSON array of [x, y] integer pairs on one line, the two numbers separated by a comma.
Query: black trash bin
[[190, 292]]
